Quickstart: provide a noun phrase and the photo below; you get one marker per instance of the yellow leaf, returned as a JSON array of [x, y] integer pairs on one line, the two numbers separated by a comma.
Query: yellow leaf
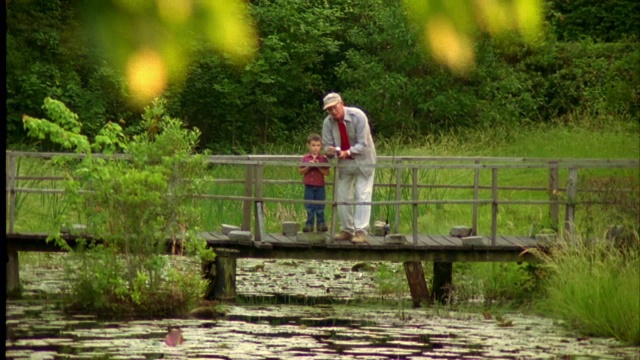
[[146, 75]]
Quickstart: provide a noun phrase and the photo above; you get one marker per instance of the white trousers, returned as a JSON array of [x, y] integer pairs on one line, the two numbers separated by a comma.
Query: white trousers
[[353, 185]]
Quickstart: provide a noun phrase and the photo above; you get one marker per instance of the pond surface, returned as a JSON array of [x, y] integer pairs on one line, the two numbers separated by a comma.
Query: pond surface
[[36, 330]]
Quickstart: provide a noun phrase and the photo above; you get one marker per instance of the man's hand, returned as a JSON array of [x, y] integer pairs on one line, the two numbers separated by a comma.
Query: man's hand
[[344, 154], [331, 151]]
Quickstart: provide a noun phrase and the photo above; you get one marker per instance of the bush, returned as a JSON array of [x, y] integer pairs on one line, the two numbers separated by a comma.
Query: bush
[[133, 207], [606, 21], [98, 285]]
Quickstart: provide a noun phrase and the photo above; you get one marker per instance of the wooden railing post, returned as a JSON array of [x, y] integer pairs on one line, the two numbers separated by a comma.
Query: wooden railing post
[[223, 271], [12, 269], [417, 282], [570, 209], [334, 206], [414, 195], [553, 195], [10, 176], [413, 269], [494, 205], [396, 222], [247, 205], [259, 203], [476, 196], [13, 272], [442, 282]]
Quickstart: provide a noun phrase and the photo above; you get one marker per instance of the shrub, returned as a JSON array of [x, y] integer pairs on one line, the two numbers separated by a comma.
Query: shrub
[[132, 206]]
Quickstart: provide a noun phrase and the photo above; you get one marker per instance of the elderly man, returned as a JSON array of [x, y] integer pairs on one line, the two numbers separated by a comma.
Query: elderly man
[[347, 129]]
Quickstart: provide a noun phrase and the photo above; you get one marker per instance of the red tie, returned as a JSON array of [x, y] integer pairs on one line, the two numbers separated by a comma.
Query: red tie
[[344, 139]]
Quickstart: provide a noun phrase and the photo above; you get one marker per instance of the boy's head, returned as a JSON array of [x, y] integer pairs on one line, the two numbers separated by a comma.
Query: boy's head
[[314, 143]]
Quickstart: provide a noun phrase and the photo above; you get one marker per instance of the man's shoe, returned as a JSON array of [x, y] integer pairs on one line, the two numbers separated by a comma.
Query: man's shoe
[[359, 237], [343, 236], [322, 228], [308, 228]]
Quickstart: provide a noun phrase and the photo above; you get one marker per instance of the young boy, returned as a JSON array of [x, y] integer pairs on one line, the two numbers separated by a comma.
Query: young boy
[[314, 183]]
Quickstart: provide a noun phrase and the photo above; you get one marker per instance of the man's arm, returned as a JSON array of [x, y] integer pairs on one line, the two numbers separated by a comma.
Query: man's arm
[[327, 138], [361, 127]]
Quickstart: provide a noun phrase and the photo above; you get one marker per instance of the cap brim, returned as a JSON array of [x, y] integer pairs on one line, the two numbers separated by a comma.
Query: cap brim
[[330, 105]]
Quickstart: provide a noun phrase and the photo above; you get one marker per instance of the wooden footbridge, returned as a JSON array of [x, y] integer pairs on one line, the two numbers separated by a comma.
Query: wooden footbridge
[[406, 188]]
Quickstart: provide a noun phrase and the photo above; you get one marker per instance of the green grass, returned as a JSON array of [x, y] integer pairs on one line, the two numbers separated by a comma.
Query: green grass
[[586, 139], [34, 212], [594, 288]]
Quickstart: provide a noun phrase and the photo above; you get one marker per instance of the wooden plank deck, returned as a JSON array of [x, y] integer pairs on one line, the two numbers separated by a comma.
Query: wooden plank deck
[[428, 248], [442, 248]]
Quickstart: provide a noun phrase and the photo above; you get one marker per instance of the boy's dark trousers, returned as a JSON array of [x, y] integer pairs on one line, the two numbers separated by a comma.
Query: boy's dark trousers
[[314, 210]]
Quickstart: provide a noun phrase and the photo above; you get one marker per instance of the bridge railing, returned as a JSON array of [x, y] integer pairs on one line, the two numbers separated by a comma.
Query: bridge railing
[[402, 177]]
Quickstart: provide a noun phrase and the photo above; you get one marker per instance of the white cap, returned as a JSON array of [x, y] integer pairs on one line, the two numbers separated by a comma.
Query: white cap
[[330, 100]]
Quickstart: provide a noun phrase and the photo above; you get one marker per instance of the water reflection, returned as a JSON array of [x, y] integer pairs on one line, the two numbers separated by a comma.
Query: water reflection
[[37, 330]]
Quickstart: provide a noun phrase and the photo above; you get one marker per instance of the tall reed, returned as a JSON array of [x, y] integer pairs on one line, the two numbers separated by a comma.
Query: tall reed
[[594, 287]]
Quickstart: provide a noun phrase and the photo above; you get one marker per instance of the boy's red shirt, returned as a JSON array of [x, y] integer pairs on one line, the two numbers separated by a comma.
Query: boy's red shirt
[[314, 176]]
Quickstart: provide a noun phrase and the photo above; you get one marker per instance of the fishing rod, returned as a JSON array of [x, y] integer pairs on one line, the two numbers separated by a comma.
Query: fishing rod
[[387, 228]]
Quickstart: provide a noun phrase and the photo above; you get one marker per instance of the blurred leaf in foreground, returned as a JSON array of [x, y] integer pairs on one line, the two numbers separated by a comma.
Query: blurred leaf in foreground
[[447, 27], [150, 41]]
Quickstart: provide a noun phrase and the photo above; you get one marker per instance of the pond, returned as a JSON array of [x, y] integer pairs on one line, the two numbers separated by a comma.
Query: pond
[[37, 330]]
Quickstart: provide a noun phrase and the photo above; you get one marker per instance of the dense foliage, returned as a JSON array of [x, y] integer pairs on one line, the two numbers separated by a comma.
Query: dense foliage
[[47, 56], [587, 63], [606, 21]]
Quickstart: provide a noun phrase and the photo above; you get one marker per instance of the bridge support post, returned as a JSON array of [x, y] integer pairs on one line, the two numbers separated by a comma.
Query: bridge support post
[[442, 281], [221, 274], [13, 272], [417, 282]]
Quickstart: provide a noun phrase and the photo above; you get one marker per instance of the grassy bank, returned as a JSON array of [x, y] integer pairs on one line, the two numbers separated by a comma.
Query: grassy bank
[[594, 288]]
